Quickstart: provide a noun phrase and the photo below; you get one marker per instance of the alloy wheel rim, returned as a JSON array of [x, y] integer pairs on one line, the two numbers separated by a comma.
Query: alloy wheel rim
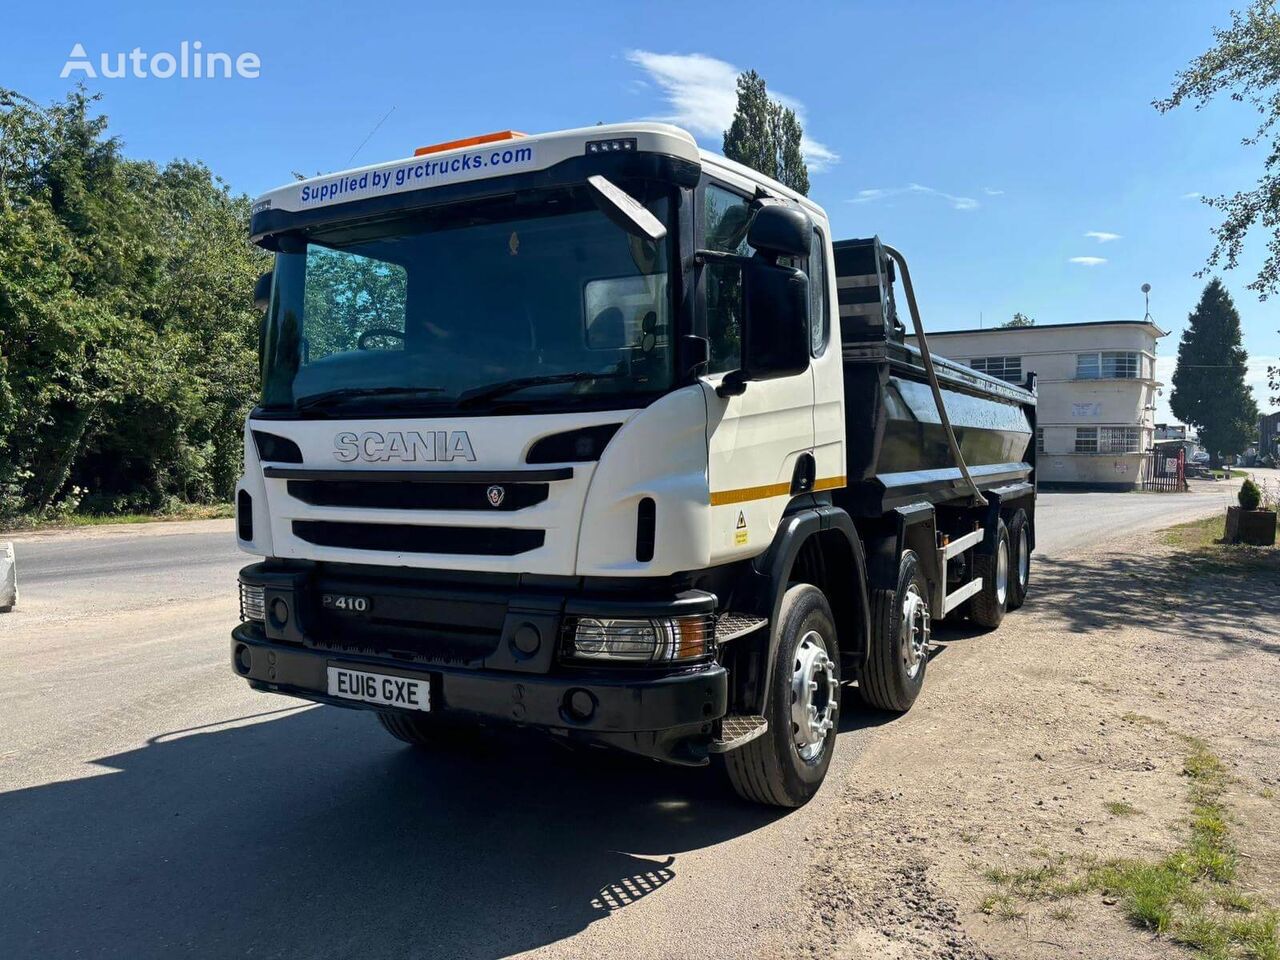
[[913, 631], [1002, 572], [815, 696]]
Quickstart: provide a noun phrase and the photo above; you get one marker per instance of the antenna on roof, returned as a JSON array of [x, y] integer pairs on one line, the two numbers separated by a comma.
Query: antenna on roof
[[1146, 296], [371, 133]]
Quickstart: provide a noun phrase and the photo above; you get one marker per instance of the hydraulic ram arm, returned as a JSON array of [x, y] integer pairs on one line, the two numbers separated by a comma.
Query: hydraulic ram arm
[[929, 371]]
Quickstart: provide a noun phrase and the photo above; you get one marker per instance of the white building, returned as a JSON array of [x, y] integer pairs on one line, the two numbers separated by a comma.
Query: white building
[[1097, 393]]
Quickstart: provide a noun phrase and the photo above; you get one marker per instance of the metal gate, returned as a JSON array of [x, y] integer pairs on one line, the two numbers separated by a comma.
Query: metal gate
[[1166, 469]]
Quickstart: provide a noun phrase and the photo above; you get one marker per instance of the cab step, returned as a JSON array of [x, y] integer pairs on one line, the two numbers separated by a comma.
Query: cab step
[[737, 730], [730, 626]]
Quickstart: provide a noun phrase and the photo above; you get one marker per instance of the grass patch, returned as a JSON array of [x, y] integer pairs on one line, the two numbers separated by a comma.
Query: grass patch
[[1121, 808], [1201, 541], [191, 511], [1188, 896], [1002, 906]]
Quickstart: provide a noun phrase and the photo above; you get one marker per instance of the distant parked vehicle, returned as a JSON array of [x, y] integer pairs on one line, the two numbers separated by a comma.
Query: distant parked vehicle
[[1200, 457]]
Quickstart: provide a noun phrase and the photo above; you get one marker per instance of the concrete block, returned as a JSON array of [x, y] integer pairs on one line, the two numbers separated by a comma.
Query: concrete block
[[8, 578]]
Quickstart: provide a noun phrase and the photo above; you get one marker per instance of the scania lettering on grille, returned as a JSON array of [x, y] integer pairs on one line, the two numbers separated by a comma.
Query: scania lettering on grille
[[411, 446]]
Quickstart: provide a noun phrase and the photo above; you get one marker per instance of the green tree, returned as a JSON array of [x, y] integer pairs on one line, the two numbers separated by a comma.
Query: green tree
[[1019, 320], [766, 135], [1243, 63], [127, 339], [1209, 388]]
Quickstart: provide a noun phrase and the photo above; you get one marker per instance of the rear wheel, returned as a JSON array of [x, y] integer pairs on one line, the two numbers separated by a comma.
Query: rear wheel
[[787, 765], [988, 604], [1019, 560], [900, 624]]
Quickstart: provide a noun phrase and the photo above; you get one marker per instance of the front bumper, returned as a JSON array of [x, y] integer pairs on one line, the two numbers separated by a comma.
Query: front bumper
[[667, 714]]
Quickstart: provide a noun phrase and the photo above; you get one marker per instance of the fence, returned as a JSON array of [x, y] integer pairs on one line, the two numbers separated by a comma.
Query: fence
[[1166, 469]]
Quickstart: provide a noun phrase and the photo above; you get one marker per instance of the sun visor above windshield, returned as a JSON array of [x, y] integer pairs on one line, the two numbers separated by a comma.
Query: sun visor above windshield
[[640, 149]]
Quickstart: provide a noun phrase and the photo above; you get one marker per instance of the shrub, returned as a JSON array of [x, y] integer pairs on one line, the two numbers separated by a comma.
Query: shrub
[[1249, 496]]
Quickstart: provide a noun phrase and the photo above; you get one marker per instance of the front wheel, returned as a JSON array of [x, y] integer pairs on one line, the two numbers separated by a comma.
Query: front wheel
[[419, 729], [787, 765], [900, 625]]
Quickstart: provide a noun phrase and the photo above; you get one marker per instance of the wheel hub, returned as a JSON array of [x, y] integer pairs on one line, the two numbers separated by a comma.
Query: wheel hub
[[815, 695], [913, 631]]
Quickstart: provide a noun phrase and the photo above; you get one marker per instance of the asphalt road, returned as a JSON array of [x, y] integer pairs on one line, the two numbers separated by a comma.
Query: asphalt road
[[152, 806]]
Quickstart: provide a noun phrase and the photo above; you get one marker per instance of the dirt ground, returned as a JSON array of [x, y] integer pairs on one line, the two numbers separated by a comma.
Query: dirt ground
[[1079, 706]]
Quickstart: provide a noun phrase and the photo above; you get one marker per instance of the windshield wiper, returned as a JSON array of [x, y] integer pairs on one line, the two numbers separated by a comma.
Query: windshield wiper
[[328, 397], [494, 390]]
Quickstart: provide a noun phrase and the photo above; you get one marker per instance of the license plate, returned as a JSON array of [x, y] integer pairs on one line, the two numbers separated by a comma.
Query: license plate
[[380, 689]]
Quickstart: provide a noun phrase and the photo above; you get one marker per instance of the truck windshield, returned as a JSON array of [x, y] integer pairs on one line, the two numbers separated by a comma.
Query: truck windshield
[[535, 299]]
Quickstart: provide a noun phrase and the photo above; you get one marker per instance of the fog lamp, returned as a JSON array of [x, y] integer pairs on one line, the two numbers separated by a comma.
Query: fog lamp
[[253, 604], [665, 640]]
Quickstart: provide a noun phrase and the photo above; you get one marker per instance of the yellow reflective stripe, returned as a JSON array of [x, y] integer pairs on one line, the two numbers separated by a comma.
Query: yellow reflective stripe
[[743, 494]]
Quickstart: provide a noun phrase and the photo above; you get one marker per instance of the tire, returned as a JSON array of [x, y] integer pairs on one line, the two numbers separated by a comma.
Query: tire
[[899, 653], [1019, 560], [988, 604], [775, 769], [419, 730]]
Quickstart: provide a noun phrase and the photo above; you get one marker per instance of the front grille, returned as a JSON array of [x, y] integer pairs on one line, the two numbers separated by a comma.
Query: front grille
[[437, 644], [408, 495], [409, 538], [408, 622]]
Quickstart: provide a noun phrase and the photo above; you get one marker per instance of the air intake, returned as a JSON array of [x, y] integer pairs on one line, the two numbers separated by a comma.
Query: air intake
[[244, 515], [646, 522], [276, 449]]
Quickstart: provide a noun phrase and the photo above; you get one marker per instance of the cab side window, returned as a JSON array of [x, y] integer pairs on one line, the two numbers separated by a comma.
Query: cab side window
[[726, 216], [820, 315]]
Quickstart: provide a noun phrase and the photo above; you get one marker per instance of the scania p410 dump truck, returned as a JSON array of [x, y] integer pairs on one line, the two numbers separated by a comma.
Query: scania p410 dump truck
[[599, 433]]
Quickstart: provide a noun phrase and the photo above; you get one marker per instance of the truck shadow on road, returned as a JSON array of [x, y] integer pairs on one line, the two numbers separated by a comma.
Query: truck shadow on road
[[313, 834], [1181, 594]]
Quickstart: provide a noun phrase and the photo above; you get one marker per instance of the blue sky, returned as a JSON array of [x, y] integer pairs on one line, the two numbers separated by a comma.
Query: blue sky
[[995, 144]]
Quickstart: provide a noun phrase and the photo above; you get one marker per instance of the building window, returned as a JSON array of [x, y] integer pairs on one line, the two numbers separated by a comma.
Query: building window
[[1108, 364], [1006, 368], [1120, 440], [1039, 439], [1086, 439]]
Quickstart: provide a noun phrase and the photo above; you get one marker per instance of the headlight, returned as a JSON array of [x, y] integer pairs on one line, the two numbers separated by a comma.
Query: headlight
[[252, 602], [642, 641]]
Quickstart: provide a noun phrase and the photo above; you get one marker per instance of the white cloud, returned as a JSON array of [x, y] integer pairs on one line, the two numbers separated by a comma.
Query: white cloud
[[992, 192], [818, 157], [702, 93], [1256, 376], [1088, 261], [1192, 196], [881, 193], [1102, 236]]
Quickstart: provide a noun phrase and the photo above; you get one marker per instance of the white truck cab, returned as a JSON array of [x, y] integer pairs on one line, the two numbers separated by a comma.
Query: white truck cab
[[556, 430]]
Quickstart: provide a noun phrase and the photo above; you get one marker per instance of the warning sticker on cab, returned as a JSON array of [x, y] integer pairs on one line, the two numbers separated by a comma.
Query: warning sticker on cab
[[740, 532]]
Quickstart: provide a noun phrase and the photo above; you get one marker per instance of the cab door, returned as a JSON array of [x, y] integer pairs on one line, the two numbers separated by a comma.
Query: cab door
[[754, 440]]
